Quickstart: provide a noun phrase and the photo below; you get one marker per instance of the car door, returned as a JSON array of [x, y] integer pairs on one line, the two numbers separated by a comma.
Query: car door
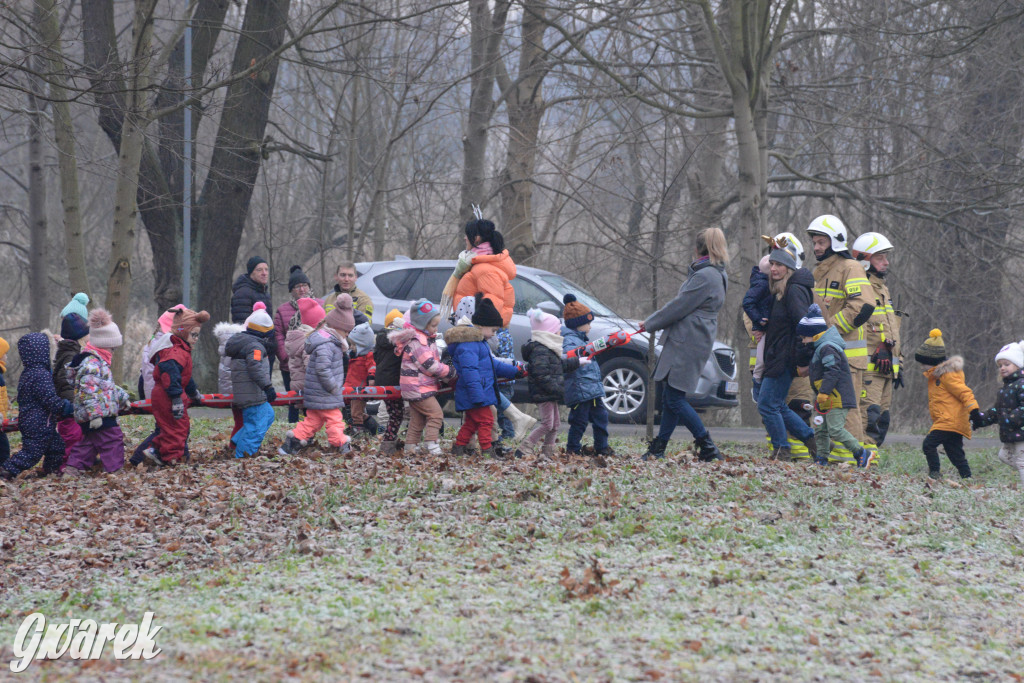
[[393, 284]]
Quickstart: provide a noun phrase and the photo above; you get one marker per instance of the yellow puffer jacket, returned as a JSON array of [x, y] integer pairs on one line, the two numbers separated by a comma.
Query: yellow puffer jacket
[[950, 400], [841, 288]]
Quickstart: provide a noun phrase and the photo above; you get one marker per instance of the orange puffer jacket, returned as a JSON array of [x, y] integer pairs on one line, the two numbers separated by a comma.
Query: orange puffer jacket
[[950, 400], [490, 274]]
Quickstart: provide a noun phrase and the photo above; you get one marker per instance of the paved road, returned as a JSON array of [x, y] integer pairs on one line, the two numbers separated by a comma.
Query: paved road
[[720, 434]]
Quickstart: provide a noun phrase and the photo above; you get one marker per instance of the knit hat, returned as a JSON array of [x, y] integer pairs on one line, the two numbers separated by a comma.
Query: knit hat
[[73, 326], [543, 322], [485, 314], [1013, 353], [391, 316], [185, 320], [341, 317], [166, 319], [362, 339], [297, 277], [251, 264], [77, 305], [762, 265], [933, 350], [784, 257], [310, 311], [259, 320], [5, 346], [103, 331], [466, 308], [812, 324], [575, 313], [359, 317], [421, 312]]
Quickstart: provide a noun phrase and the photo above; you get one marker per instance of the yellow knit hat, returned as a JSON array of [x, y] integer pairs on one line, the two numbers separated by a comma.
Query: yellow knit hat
[[390, 317], [933, 350]]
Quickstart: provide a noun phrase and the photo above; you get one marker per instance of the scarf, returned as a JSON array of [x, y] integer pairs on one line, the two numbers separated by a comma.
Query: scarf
[[483, 249], [547, 339], [105, 354]]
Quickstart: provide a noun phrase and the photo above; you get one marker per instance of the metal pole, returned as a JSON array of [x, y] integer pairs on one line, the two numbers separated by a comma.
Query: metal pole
[[186, 269]]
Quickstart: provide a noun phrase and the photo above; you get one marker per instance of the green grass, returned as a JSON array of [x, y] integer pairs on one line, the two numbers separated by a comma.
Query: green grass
[[390, 570]]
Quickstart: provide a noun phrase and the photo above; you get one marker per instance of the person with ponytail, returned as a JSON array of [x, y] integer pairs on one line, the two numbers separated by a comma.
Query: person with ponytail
[[485, 266], [690, 322]]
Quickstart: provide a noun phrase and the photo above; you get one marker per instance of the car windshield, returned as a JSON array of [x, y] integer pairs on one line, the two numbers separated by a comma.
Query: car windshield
[[583, 296]]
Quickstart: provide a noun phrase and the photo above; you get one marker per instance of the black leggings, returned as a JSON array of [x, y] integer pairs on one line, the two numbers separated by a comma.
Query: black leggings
[[953, 444]]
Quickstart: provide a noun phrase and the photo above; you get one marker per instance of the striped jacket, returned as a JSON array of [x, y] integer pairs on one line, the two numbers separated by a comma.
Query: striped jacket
[[422, 369], [841, 288]]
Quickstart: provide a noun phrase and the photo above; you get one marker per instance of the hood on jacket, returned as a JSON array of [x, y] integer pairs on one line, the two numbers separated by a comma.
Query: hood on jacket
[[324, 336], [34, 349], [246, 282], [462, 333], [951, 364], [502, 261], [830, 336], [224, 331], [802, 276], [757, 276], [239, 344], [401, 338], [158, 343]]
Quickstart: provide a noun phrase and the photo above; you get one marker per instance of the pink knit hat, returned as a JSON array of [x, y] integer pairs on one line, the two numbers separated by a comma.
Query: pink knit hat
[[543, 322], [341, 316], [310, 311], [166, 319]]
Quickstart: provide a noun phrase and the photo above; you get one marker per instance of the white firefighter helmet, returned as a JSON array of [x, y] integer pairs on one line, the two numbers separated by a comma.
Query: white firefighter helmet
[[793, 246], [831, 227], [869, 244]]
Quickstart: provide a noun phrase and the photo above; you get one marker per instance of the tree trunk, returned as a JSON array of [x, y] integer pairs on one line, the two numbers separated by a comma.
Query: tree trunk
[[64, 136], [486, 30], [221, 211], [133, 131], [39, 307], [525, 109]]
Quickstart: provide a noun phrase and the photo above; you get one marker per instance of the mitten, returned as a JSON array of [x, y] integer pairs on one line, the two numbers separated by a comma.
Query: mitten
[[824, 402], [585, 360], [196, 399], [96, 423], [177, 408], [271, 394], [976, 419]]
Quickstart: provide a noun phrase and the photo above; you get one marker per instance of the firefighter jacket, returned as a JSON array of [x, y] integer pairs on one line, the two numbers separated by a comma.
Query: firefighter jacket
[[883, 325], [841, 288]]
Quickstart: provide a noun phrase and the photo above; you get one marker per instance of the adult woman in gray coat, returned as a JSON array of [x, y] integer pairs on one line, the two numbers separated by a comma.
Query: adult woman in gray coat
[[690, 322]]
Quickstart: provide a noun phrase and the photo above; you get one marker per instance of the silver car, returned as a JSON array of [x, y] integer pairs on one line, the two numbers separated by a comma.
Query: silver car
[[393, 284]]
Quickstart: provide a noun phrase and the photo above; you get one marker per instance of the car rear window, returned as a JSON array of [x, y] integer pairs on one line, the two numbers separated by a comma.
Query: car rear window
[[429, 284], [390, 283]]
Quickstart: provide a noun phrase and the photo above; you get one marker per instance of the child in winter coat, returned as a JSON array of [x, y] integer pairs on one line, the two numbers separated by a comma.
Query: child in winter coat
[[478, 373], [422, 373], [39, 410], [951, 404], [252, 390], [173, 375], [757, 304], [1009, 408], [74, 331], [311, 314], [222, 332], [361, 372], [323, 393], [829, 372], [5, 402], [98, 399], [584, 388], [547, 368], [388, 373]]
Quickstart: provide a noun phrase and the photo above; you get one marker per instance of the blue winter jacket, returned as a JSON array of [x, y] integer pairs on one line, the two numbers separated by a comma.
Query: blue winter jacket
[[39, 404], [757, 302], [585, 383], [477, 369]]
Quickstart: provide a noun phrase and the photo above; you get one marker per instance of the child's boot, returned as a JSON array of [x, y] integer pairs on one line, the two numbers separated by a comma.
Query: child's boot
[[387, 448], [864, 458], [345, 448], [460, 451], [291, 444], [432, 448], [521, 422]]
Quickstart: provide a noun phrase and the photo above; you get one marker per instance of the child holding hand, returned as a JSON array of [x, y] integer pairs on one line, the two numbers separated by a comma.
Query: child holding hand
[[1009, 408]]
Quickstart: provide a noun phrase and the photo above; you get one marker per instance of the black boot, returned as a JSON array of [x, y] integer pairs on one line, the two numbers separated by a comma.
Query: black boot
[[812, 447], [708, 450], [656, 449]]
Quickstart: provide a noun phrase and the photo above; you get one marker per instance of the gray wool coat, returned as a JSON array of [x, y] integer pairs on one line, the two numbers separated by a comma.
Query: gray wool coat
[[690, 322]]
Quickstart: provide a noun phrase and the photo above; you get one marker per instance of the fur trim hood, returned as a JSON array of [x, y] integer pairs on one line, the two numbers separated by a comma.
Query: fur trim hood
[[224, 331], [462, 333], [951, 364]]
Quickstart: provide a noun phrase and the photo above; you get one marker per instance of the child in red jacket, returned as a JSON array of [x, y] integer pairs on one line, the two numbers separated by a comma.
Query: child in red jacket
[[173, 375], [361, 371]]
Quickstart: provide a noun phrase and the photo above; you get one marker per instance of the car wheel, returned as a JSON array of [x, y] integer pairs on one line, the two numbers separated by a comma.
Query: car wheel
[[625, 390]]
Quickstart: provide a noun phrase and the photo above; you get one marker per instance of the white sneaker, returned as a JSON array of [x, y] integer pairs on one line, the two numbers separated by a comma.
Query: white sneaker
[[431, 447]]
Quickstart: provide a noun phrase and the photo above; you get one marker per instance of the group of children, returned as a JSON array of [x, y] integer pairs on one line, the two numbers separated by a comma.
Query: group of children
[[68, 408]]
